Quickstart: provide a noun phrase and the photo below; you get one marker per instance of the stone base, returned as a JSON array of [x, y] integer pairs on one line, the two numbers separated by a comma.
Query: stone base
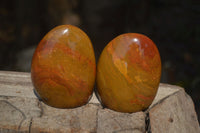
[[20, 111]]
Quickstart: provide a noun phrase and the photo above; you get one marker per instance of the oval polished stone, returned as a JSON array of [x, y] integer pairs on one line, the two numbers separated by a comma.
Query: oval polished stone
[[128, 73], [63, 67]]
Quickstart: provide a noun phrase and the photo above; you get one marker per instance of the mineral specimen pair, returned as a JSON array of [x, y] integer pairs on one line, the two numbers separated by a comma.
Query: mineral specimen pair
[[128, 72]]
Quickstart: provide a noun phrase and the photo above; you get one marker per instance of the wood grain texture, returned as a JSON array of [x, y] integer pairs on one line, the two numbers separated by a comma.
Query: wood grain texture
[[164, 119], [22, 112], [63, 67], [128, 73]]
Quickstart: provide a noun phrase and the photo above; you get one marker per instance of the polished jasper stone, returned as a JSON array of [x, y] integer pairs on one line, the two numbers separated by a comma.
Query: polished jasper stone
[[63, 67], [128, 73]]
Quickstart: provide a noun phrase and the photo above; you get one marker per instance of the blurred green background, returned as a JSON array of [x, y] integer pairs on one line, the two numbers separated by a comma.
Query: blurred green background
[[174, 26]]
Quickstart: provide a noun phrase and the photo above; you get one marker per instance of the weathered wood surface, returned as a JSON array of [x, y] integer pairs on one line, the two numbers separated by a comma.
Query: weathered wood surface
[[21, 111]]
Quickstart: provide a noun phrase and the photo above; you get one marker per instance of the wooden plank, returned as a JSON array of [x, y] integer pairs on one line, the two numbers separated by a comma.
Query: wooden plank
[[21, 111], [16, 84]]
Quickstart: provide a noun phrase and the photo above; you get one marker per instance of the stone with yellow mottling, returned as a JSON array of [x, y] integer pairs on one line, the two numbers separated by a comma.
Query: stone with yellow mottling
[[63, 67], [128, 73]]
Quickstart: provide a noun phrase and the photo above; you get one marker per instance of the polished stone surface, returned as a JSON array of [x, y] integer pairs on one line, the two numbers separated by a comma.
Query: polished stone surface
[[63, 67], [128, 73]]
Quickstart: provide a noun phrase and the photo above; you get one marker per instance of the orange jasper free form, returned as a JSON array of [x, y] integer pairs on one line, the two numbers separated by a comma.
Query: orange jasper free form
[[63, 67], [128, 73]]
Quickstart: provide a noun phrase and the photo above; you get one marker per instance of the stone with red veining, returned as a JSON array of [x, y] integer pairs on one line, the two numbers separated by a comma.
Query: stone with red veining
[[63, 67], [128, 73]]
